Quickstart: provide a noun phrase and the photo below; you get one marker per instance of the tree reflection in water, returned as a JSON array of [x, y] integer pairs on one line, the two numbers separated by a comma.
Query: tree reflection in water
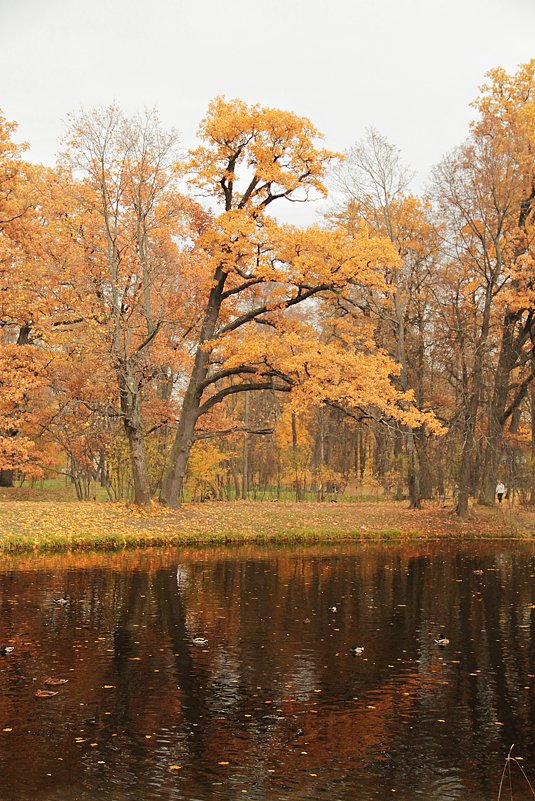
[[271, 705]]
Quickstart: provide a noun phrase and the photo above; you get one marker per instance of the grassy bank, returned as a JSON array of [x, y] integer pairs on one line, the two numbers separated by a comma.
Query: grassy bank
[[51, 525]]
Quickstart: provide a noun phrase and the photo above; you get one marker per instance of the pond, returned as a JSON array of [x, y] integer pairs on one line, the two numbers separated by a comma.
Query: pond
[[274, 705]]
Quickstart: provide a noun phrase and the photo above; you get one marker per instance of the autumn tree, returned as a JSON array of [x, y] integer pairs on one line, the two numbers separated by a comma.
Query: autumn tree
[[373, 187], [22, 312], [507, 126], [260, 271], [485, 194], [121, 222]]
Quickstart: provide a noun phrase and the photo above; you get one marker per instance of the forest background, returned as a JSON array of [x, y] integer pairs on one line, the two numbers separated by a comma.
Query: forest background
[[165, 336]]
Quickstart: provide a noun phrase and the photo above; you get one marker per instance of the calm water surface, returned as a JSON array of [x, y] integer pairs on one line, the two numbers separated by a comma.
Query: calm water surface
[[274, 706]]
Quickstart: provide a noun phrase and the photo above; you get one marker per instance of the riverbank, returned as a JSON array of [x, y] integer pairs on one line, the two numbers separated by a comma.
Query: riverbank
[[41, 525]]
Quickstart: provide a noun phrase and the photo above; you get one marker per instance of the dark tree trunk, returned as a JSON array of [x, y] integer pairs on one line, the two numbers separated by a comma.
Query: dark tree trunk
[[175, 472], [413, 474], [424, 466], [532, 402], [362, 454], [130, 407], [398, 464], [6, 478], [511, 349], [245, 453], [468, 451]]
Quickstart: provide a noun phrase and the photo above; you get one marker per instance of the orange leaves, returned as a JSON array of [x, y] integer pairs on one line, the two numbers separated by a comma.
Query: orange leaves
[[153, 302], [330, 257], [273, 152], [23, 375]]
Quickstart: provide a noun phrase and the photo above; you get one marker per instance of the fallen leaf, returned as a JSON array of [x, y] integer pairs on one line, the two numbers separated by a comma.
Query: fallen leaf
[[45, 693]]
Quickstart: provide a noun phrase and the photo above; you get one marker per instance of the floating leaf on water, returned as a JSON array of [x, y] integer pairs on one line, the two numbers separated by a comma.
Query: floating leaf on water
[[45, 693]]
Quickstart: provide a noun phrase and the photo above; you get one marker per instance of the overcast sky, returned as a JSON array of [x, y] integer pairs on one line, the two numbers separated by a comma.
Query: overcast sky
[[407, 67]]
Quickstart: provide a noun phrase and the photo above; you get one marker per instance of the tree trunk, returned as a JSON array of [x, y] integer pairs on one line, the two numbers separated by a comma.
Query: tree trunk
[[532, 401], [493, 450], [424, 468], [413, 474], [6, 478], [130, 407], [245, 452], [175, 472], [469, 447], [398, 464], [138, 461], [511, 348], [295, 458], [174, 476], [471, 408], [362, 454]]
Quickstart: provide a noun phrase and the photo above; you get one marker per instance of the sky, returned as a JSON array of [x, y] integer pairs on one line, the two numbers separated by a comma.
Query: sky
[[409, 68]]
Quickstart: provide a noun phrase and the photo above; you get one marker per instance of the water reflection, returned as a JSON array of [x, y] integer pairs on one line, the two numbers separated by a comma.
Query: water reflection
[[274, 705]]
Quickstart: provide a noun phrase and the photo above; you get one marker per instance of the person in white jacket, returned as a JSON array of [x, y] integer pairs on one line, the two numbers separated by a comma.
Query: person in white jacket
[[500, 491]]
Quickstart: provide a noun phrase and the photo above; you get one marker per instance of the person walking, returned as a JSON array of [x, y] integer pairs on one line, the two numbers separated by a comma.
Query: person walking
[[500, 491]]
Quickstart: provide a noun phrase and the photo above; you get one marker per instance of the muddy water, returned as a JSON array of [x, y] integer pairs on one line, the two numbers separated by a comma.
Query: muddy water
[[274, 705]]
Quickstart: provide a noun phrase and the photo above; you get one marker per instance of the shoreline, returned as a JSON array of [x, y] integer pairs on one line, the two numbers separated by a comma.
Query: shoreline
[[54, 526]]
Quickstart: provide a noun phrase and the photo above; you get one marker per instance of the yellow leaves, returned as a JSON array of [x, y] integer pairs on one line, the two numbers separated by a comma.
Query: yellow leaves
[[343, 370], [318, 256], [506, 104], [205, 465], [255, 247], [273, 152]]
